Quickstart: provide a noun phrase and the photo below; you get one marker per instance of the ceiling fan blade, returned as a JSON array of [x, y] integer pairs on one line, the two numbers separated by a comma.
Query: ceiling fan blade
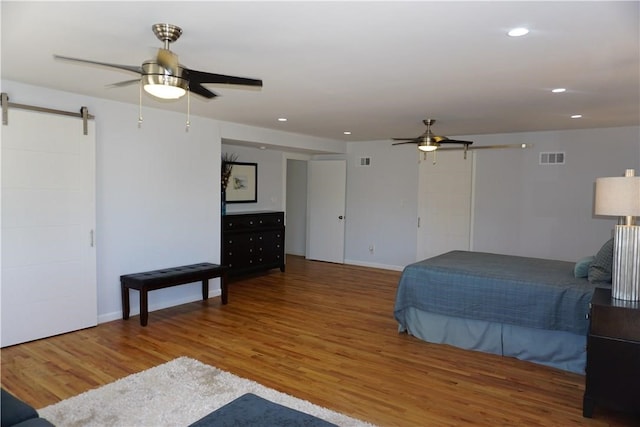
[[168, 60], [198, 89], [124, 83], [455, 141], [133, 68], [203, 77], [405, 139], [489, 147], [407, 142]]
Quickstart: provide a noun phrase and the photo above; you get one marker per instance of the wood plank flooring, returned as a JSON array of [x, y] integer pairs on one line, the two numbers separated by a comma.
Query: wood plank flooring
[[321, 332]]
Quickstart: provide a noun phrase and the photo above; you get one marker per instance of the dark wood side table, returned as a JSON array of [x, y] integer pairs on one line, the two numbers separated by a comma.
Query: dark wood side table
[[613, 355]]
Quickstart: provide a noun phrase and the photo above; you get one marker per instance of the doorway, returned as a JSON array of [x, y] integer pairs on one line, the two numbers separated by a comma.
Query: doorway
[[296, 207]]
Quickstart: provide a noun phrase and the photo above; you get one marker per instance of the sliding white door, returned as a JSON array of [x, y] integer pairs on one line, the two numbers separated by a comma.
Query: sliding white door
[[444, 204], [48, 222]]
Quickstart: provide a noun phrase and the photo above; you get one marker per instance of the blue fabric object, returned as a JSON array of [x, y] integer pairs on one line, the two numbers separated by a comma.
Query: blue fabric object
[[250, 410], [558, 349], [581, 268], [530, 292], [602, 265], [16, 413]]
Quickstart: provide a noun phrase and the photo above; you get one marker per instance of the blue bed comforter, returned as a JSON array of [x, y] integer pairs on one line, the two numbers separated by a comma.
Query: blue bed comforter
[[531, 292]]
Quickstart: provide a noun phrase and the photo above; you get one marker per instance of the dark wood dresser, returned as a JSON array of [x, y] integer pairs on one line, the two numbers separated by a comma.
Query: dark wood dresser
[[613, 355], [252, 242]]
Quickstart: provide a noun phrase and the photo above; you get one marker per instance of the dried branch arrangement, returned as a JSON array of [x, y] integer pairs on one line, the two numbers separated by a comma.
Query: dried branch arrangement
[[227, 165]]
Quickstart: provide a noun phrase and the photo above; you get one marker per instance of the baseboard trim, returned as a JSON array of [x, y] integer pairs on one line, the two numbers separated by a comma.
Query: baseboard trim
[[135, 306], [374, 265]]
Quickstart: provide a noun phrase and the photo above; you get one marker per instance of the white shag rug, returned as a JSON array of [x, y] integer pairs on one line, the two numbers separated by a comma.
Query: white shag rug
[[176, 393]]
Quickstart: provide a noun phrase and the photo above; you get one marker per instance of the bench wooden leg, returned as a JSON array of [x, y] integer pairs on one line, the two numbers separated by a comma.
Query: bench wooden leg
[[223, 289], [125, 301], [205, 289], [144, 307]]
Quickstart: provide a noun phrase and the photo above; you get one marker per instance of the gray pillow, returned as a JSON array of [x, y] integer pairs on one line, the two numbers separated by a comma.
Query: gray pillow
[[600, 268], [581, 269]]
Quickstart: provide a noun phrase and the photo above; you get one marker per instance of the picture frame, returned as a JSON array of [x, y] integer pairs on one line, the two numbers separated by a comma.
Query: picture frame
[[243, 183]]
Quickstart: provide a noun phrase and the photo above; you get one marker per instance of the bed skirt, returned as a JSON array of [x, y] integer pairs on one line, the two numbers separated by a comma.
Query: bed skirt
[[558, 349]]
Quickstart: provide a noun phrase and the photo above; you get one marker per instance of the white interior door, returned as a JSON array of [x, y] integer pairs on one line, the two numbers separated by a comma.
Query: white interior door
[[444, 204], [48, 282], [326, 181]]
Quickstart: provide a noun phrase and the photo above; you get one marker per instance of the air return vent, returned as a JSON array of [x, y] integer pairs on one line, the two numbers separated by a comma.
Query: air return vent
[[552, 158], [364, 161]]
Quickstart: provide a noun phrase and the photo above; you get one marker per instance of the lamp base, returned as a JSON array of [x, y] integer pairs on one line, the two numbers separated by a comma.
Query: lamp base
[[626, 263]]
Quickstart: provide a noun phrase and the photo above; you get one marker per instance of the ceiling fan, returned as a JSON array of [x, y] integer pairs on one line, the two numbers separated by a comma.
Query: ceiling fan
[[428, 141], [164, 77]]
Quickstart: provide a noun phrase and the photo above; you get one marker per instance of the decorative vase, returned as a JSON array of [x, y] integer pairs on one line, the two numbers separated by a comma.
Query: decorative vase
[[223, 202]]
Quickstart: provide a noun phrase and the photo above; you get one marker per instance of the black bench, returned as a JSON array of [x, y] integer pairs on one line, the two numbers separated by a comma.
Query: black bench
[[158, 279]]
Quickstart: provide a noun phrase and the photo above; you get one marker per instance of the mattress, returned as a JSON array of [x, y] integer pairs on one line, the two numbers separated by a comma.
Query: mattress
[[521, 291]]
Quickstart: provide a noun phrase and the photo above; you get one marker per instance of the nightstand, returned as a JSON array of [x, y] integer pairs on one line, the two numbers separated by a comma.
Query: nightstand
[[613, 355]]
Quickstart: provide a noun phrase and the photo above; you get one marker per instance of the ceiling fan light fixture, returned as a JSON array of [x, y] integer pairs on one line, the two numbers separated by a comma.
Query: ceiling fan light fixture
[[164, 87], [518, 32], [427, 145], [159, 82], [427, 148]]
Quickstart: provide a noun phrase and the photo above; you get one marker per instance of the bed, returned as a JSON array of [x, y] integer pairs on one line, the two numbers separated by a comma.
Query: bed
[[529, 308]]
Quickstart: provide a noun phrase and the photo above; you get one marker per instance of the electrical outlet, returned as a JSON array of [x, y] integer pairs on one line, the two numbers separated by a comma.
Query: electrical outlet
[[372, 249]]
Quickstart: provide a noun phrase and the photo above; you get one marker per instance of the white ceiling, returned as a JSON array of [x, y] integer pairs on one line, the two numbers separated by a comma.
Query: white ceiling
[[373, 68]]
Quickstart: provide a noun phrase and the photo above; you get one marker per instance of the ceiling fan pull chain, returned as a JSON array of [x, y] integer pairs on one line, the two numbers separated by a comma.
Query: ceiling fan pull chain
[[140, 106], [188, 110]]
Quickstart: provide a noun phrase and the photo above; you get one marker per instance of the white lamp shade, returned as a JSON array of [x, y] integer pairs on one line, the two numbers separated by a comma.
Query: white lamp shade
[[425, 147], [618, 196], [164, 91]]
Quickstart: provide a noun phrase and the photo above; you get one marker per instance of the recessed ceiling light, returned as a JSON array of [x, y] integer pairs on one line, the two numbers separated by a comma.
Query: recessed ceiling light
[[282, 119], [346, 132], [517, 32], [558, 90], [576, 116]]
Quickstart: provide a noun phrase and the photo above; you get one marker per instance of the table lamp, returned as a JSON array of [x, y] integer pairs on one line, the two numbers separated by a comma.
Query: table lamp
[[620, 196]]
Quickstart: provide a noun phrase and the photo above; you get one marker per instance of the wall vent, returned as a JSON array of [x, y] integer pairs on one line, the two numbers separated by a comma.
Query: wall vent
[[364, 161], [552, 158]]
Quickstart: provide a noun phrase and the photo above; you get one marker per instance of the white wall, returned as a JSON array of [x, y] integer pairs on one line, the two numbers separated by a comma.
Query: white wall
[[270, 191], [382, 204], [546, 211]]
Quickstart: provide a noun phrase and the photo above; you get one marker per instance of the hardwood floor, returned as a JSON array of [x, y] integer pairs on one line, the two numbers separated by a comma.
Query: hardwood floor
[[321, 332]]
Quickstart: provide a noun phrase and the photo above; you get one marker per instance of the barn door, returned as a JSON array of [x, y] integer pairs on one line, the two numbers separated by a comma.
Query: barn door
[[444, 204], [48, 256]]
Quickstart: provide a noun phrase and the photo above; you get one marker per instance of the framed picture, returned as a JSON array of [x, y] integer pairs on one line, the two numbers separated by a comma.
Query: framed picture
[[243, 183]]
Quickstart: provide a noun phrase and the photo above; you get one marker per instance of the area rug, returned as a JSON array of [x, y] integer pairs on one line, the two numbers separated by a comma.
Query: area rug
[[176, 393]]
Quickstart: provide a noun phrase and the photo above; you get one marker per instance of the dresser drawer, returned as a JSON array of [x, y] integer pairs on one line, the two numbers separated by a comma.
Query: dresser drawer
[[250, 222]]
